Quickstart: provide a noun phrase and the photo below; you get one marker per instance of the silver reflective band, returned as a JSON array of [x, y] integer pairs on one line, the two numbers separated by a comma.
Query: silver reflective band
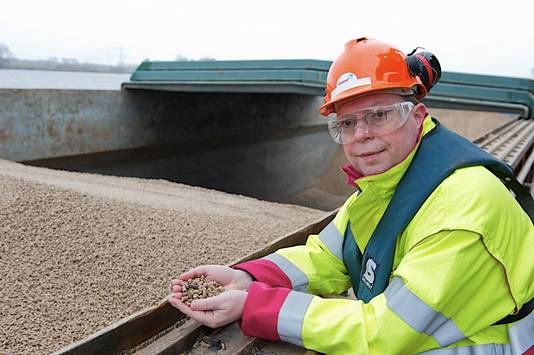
[[485, 349], [299, 280], [522, 334], [332, 240], [291, 317], [417, 314]]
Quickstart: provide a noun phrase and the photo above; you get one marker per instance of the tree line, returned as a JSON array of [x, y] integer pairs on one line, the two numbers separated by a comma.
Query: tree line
[[9, 61]]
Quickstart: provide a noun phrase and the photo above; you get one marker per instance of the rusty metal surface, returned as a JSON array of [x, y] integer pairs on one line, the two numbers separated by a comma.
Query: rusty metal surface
[[39, 124], [227, 340], [128, 332], [175, 340]]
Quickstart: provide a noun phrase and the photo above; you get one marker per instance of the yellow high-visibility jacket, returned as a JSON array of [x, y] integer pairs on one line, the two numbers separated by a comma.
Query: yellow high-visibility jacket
[[465, 261]]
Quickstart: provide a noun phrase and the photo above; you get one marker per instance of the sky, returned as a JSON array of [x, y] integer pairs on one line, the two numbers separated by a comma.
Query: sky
[[485, 37]]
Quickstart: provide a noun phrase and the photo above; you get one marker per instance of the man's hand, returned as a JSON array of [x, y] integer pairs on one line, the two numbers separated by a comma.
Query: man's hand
[[227, 277], [213, 311]]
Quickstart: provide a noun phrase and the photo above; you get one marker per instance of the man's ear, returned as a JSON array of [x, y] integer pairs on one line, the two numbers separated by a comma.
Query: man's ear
[[419, 112]]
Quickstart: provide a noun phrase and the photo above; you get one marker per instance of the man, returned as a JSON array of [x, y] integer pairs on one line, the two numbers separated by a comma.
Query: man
[[435, 280]]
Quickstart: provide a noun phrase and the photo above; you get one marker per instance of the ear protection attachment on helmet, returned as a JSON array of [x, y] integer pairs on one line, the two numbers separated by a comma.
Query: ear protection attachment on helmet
[[423, 64]]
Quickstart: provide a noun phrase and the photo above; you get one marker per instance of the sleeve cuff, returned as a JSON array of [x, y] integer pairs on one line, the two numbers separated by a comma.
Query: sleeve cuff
[[265, 271], [261, 311]]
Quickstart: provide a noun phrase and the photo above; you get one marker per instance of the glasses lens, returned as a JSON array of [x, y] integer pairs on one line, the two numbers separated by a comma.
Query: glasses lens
[[335, 131], [384, 120]]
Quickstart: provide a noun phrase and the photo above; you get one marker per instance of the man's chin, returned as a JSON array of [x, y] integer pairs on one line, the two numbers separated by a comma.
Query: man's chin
[[372, 169]]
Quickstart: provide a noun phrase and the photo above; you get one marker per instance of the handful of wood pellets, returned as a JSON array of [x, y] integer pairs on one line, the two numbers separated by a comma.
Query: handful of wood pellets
[[198, 288]]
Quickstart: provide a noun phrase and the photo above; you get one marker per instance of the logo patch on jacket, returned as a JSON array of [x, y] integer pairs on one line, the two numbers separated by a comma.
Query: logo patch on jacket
[[368, 277]]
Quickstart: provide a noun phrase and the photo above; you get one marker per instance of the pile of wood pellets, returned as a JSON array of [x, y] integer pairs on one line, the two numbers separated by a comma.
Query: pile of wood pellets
[[80, 241], [198, 288]]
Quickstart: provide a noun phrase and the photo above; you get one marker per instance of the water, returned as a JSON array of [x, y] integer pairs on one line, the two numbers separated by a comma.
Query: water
[[44, 79]]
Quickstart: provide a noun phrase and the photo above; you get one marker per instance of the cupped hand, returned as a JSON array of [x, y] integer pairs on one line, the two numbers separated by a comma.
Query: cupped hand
[[227, 277], [214, 311]]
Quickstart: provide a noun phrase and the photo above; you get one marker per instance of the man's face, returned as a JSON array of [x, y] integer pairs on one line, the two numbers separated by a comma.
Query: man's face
[[371, 154]]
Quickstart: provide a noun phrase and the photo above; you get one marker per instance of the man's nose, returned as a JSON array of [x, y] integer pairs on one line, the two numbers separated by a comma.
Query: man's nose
[[361, 131]]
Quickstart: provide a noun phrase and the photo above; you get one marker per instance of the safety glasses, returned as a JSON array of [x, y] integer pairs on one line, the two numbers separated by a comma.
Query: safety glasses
[[376, 121]]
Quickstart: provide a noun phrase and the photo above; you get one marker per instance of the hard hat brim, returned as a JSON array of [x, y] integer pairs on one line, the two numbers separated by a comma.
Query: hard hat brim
[[329, 107]]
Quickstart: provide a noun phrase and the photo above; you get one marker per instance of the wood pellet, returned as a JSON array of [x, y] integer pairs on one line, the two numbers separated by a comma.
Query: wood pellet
[[199, 288]]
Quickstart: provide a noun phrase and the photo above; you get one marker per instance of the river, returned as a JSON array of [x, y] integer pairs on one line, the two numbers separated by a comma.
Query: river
[[45, 79]]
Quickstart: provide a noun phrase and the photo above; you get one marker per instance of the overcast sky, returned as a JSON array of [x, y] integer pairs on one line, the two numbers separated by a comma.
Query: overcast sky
[[488, 37]]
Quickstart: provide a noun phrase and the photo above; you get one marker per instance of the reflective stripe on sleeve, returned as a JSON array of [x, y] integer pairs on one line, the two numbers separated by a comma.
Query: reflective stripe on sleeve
[[332, 239], [417, 314], [522, 334], [291, 317], [299, 280], [484, 349]]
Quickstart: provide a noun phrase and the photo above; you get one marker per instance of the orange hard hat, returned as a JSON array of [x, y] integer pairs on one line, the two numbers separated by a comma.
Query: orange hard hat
[[365, 66]]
